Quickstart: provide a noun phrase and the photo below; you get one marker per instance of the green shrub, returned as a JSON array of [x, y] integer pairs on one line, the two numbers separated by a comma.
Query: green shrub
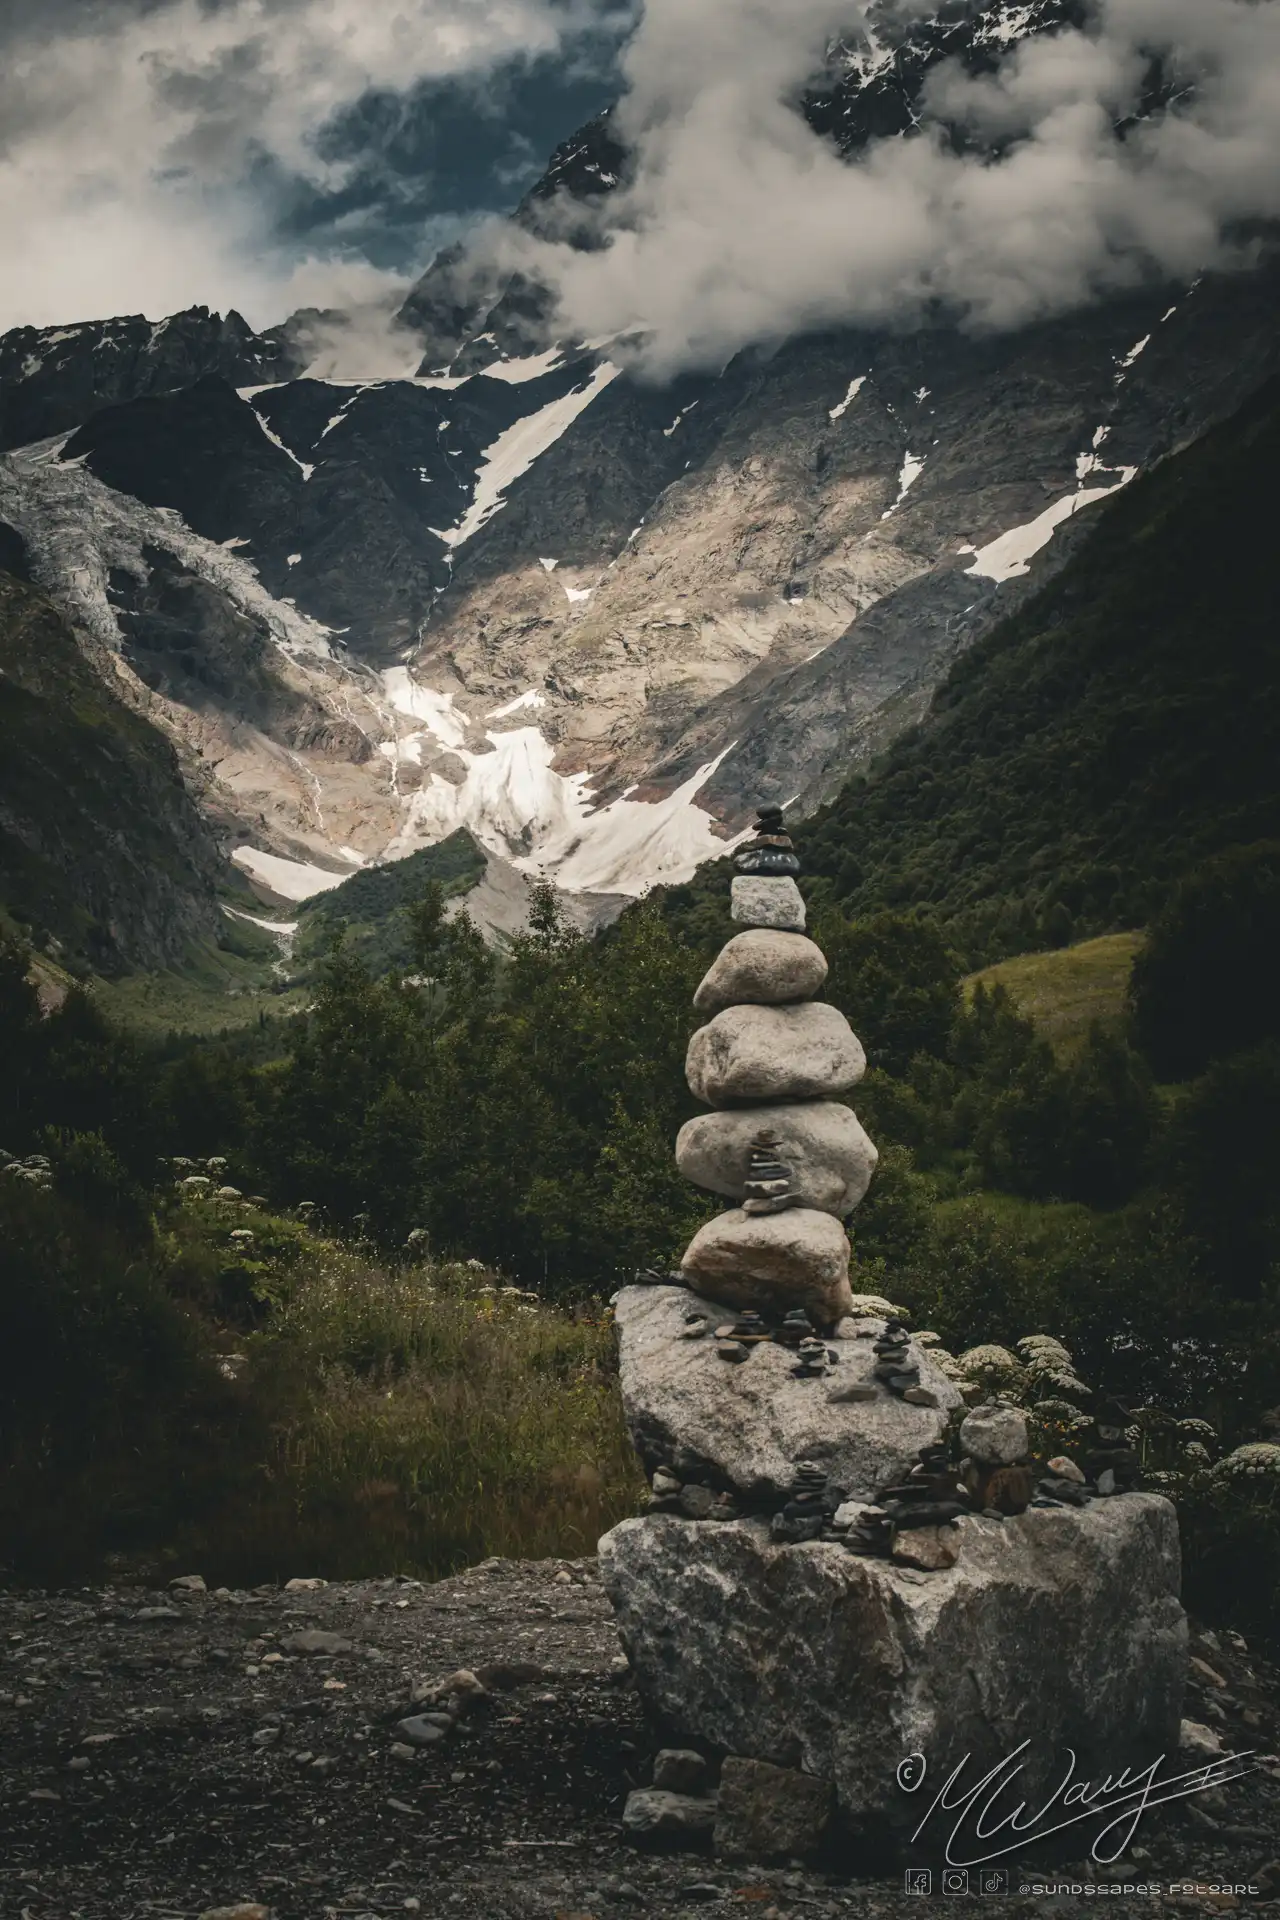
[[1204, 985]]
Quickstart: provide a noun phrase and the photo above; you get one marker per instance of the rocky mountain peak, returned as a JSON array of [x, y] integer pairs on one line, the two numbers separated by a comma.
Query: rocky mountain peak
[[528, 592]]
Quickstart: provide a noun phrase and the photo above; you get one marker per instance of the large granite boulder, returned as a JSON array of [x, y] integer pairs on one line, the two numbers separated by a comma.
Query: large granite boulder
[[764, 968], [1061, 1627], [773, 1262], [829, 1157], [805, 1052], [745, 1427]]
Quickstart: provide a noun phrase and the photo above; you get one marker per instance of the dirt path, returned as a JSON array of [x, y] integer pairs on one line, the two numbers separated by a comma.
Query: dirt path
[[164, 1753]]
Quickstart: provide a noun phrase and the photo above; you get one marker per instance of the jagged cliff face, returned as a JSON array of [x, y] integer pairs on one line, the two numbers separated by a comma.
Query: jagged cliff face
[[522, 591], [53, 378]]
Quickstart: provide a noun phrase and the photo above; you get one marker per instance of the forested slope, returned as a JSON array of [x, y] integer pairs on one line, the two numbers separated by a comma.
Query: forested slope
[[1122, 727], [101, 846]]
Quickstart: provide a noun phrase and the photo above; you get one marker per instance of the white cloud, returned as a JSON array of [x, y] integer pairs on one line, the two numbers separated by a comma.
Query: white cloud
[[134, 145], [743, 227]]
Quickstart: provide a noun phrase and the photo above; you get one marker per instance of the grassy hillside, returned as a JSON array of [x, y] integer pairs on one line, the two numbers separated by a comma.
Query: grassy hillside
[[218, 990], [1063, 992]]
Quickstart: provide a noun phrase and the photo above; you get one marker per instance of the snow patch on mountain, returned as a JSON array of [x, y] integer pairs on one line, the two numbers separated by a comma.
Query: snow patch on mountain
[[1126, 360], [668, 431], [510, 798], [436, 710], [532, 700], [842, 407], [290, 879], [305, 470], [545, 823], [1010, 555], [910, 471], [632, 845], [516, 449], [531, 367]]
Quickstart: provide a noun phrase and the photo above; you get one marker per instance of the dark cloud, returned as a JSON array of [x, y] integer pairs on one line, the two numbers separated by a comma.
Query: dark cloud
[[440, 155], [262, 153], [741, 226]]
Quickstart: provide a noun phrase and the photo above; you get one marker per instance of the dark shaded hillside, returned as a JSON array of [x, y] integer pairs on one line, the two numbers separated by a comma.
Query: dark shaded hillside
[[371, 907], [1120, 728], [54, 378], [100, 844]]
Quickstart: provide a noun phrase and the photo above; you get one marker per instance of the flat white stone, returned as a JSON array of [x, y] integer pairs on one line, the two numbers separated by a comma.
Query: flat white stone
[[806, 1052], [762, 967], [828, 1155], [746, 1426], [767, 900]]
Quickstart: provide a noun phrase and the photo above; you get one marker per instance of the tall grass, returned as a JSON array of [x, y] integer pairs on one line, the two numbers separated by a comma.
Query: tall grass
[[427, 1418], [293, 1405]]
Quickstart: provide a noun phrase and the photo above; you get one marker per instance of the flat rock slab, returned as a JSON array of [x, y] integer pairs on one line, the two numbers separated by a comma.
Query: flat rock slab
[[763, 900], [1061, 1628], [654, 1814], [830, 1158], [806, 1052], [746, 1426], [762, 967]]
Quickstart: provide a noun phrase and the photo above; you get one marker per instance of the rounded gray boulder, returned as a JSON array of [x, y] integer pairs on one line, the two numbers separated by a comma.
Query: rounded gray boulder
[[806, 1052], [762, 967], [773, 1262], [829, 1157], [995, 1434]]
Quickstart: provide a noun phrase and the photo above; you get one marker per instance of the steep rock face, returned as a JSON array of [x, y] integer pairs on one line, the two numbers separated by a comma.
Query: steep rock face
[[100, 843], [52, 378], [590, 620], [1061, 1628]]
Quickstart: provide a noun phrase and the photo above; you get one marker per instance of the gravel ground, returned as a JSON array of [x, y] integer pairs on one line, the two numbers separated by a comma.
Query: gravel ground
[[163, 1753]]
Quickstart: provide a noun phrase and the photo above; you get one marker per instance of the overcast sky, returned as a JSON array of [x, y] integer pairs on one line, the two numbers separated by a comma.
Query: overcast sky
[[264, 154], [267, 154], [741, 227]]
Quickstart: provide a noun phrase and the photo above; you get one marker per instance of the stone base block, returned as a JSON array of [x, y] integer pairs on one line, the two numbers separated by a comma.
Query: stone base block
[[746, 1426], [1060, 1628]]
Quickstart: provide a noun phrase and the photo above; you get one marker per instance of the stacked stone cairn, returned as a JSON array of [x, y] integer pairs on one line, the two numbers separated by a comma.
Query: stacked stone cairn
[[828, 1524], [773, 1062]]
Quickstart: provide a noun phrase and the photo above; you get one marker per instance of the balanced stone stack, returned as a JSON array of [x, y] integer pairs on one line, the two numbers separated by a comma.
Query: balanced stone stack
[[775, 1064], [829, 1576]]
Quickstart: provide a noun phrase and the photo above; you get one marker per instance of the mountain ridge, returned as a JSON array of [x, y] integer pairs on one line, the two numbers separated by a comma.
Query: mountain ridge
[[525, 593]]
